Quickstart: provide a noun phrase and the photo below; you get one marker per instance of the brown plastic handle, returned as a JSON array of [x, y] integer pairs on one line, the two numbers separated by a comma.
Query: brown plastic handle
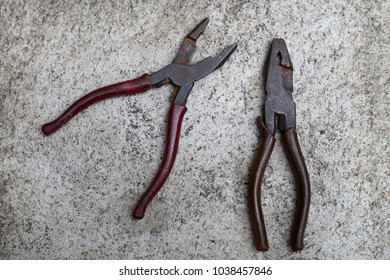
[[175, 119], [254, 195], [138, 85], [294, 153]]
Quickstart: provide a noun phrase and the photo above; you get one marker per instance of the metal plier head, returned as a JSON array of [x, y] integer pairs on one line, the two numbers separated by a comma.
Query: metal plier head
[[183, 75], [279, 104]]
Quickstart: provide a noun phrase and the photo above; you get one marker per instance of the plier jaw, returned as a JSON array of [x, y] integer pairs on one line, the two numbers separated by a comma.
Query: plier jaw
[[279, 105], [184, 54], [188, 47], [183, 75]]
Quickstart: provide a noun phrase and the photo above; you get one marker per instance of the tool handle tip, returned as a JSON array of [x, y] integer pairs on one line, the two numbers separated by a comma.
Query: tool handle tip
[[49, 128], [138, 213]]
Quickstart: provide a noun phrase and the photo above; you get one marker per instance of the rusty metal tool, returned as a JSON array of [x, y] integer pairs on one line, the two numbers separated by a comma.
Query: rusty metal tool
[[183, 76], [279, 113]]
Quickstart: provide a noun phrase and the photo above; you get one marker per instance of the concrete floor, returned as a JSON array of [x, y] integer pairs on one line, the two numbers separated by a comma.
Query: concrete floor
[[70, 195]]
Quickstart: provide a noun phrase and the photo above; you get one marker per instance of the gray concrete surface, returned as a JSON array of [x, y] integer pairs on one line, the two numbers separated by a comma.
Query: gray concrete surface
[[69, 196]]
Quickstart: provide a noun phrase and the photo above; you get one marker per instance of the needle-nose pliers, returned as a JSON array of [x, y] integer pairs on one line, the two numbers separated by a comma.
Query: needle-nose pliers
[[279, 113], [182, 76]]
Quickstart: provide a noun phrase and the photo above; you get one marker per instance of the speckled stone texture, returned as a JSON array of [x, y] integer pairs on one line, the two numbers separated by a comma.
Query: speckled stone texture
[[70, 195]]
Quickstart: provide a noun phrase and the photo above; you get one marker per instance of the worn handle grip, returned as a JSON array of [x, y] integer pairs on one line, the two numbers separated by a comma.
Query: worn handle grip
[[291, 144], [175, 119], [138, 85], [254, 195]]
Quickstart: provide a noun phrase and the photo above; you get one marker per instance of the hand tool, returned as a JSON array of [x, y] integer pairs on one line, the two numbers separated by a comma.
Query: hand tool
[[182, 76], [279, 113]]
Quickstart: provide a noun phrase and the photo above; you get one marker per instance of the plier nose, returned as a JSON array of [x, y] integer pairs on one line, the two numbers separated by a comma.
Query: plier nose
[[279, 105], [279, 112], [280, 67]]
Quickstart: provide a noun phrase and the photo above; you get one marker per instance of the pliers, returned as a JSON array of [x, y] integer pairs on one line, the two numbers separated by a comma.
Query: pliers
[[279, 113], [182, 76]]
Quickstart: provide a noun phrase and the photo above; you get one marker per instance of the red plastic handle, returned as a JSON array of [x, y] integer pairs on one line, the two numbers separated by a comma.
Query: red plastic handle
[[175, 119], [138, 85]]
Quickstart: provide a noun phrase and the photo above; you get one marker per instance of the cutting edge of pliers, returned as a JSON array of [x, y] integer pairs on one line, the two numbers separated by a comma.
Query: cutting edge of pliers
[[182, 75], [279, 114]]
